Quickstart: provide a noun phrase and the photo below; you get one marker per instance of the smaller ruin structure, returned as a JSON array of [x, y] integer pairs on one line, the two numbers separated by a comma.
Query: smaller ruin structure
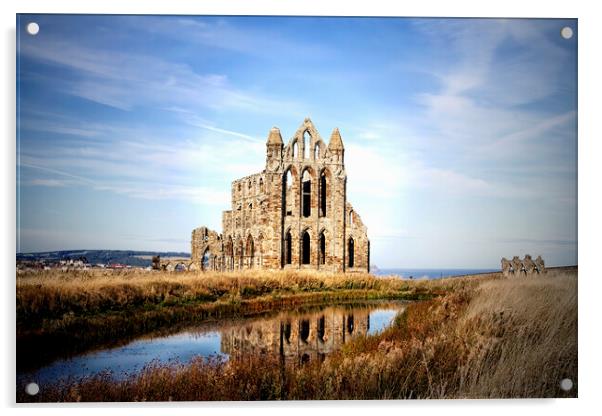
[[522, 268]]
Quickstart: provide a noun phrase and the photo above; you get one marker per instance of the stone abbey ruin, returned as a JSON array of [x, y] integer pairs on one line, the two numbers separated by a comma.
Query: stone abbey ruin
[[292, 215]]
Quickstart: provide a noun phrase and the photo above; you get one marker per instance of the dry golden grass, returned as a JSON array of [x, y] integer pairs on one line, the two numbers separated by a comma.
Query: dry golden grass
[[524, 334], [51, 294], [483, 338], [72, 311]]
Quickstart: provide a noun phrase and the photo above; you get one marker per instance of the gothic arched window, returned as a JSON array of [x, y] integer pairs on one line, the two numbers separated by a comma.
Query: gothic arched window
[[351, 253], [288, 240], [306, 249], [288, 194], [306, 193], [323, 194], [306, 144], [322, 256]]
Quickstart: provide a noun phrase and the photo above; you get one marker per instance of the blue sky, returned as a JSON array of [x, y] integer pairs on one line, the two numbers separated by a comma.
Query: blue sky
[[460, 134]]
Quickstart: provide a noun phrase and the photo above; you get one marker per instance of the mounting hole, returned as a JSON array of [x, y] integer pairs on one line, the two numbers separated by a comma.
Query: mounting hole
[[32, 389], [33, 28], [566, 32], [566, 384]]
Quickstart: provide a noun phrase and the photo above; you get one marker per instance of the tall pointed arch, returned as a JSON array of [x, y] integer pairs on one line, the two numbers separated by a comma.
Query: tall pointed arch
[[306, 184], [240, 253], [351, 253], [305, 247], [259, 250], [250, 252], [324, 192], [322, 248], [229, 254], [206, 263], [306, 144], [289, 191], [287, 249]]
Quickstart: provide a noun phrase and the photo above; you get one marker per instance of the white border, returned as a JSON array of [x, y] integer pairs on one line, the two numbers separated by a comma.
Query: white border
[[590, 208]]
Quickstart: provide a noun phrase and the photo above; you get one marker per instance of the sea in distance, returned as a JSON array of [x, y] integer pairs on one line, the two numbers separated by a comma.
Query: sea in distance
[[430, 273]]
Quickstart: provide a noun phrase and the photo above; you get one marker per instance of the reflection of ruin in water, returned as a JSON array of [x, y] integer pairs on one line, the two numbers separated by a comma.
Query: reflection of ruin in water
[[295, 337], [302, 338]]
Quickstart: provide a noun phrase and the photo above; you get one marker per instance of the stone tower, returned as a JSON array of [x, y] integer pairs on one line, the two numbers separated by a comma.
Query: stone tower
[[294, 214]]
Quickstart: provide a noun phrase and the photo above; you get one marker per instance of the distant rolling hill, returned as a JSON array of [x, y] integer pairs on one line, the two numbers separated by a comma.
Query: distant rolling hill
[[127, 257]]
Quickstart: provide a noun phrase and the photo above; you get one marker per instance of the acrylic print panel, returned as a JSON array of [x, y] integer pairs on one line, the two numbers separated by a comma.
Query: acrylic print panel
[[295, 208]]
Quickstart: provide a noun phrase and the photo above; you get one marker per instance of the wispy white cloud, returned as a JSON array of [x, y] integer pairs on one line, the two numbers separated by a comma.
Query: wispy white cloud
[[52, 183], [219, 33], [535, 131], [197, 122], [473, 50], [128, 80], [479, 91], [151, 191], [57, 127], [449, 181], [373, 174], [144, 189], [196, 168], [24, 162]]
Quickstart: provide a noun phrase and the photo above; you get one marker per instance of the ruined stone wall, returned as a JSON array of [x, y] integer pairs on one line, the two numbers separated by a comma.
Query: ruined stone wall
[[523, 268], [356, 240], [207, 249], [293, 214]]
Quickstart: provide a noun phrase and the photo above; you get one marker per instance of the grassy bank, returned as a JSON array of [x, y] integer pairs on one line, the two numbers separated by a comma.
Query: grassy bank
[[70, 312], [481, 338]]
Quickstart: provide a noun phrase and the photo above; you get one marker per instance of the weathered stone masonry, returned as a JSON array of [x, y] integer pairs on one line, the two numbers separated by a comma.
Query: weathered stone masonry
[[292, 215]]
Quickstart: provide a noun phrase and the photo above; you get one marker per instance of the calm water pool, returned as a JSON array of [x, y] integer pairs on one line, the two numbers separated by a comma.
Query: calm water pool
[[296, 335]]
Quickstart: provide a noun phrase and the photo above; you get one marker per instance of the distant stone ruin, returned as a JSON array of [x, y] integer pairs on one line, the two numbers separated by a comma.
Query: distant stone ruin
[[539, 263], [506, 267], [522, 268], [173, 264]]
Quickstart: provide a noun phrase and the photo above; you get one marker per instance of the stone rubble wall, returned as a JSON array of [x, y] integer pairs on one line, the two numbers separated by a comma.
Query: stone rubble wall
[[527, 267]]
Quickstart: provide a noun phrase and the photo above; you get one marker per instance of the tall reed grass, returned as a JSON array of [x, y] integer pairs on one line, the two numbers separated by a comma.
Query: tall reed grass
[[51, 294]]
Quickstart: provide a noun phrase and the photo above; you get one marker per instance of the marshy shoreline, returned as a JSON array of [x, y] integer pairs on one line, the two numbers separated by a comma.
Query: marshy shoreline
[[72, 312], [464, 338]]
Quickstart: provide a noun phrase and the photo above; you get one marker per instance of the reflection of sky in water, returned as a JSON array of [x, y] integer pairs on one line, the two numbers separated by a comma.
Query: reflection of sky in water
[[133, 356], [180, 347], [380, 319]]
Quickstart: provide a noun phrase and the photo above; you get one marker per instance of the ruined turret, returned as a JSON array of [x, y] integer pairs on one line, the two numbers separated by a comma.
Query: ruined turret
[[335, 146], [274, 145], [274, 138]]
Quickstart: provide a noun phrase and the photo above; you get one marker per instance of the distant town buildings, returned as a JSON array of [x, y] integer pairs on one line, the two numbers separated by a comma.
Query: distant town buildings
[[80, 263]]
